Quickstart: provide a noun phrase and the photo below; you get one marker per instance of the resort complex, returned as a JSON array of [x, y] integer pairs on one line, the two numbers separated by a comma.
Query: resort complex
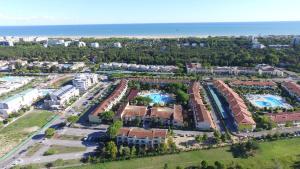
[[94, 109]]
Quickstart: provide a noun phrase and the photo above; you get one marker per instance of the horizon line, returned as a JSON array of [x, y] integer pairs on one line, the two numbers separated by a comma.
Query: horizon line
[[146, 23]]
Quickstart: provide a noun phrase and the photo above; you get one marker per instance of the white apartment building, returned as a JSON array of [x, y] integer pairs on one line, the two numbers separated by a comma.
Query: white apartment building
[[6, 43], [10, 83], [84, 81], [117, 45], [95, 45], [15, 103], [62, 96]]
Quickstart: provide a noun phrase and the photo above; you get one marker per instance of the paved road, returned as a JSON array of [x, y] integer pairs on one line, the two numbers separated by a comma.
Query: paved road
[[264, 133]]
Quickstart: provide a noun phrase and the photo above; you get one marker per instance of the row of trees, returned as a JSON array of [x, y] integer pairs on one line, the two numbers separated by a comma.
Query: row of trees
[[223, 51]]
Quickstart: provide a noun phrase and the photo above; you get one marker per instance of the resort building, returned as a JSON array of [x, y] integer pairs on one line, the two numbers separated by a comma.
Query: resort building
[[137, 67], [159, 81], [62, 96], [142, 137], [254, 84], [295, 41], [95, 45], [84, 81], [197, 68], [6, 43], [202, 116], [243, 118], [284, 119], [130, 112], [10, 83], [261, 69], [109, 102], [16, 102], [166, 115], [292, 88]]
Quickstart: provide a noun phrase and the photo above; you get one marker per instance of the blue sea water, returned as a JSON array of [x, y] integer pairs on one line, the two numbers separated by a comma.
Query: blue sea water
[[167, 29]]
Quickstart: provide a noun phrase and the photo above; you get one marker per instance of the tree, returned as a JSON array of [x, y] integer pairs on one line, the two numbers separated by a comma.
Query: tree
[[72, 119], [111, 149], [132, 151], [166, 166], [114, 128], [203, 164], [107, 115], [182, 97], [198, 139], [204, 137], [126, 152], [49, 132], [219, 165]]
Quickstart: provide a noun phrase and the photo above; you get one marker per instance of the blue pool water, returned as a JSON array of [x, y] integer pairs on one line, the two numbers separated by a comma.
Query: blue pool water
[[159, 98], [268, 101]]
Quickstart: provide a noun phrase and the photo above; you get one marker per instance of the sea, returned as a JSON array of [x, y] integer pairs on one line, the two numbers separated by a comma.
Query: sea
[[159, 29]]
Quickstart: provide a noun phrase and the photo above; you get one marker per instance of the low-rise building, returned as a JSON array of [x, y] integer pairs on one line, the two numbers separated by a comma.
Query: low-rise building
[[109, 102], [16, 102], [202, 117], [142, 137], [95, 45], [292, 88], [243, 118], [10, 83], [286, 119], [137, 67], [295, 41], [254, 84], [62, 96], [6, 43], [84, 81]]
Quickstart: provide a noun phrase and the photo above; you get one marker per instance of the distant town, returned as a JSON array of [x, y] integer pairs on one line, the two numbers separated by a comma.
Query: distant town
[[93, 102]]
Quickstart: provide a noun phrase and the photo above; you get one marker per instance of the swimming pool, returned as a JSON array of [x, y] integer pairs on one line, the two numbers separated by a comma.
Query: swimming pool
[[268, 101], [159, 98]]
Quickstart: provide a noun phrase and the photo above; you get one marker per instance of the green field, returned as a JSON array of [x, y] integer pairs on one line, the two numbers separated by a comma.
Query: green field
[[58, 149], [277, 154], [19, 130]]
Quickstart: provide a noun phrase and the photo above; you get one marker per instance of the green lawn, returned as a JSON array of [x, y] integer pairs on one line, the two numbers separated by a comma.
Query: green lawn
[[68, 137], [281, 154], [58, 149], [19, 130]]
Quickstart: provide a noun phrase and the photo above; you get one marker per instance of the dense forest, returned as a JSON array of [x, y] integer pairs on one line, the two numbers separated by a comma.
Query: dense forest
[[221, 51]]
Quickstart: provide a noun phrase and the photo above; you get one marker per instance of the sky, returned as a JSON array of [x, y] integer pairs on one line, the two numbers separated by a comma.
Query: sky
[[69, 12]]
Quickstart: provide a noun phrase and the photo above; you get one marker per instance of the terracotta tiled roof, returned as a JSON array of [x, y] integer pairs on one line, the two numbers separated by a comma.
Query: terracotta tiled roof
[[178, 113], [143, 133], [116, 93], [236, 104], [253, 83], [285, 117], [134, 111], [153, 80], [293, 87], [202, 114], [161, 112]]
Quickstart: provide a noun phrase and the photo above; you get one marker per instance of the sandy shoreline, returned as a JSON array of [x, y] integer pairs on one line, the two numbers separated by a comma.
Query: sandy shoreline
[[128, 37]]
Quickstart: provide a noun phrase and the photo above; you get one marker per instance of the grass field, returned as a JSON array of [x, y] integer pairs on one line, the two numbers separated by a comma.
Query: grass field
[[278, 154], [19, 130], [57, 149], [68, 137]]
